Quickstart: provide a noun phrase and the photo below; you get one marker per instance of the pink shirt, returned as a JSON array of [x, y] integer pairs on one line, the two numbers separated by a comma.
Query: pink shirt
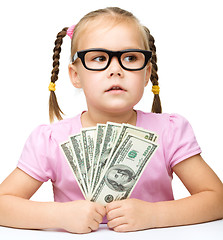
[[43, 159]]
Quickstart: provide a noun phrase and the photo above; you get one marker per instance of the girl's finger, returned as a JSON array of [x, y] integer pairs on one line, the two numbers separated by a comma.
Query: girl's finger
[[114, 213], [116, 222], [101, 210], [122, 228], [94, 225], [114, 205], [98, 217]]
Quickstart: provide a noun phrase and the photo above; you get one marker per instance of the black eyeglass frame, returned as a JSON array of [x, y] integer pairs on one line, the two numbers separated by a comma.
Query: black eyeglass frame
[[111, 54]]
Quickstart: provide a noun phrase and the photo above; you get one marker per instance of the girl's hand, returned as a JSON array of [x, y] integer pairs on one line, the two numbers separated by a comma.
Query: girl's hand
[[80, 216], [130, 215]]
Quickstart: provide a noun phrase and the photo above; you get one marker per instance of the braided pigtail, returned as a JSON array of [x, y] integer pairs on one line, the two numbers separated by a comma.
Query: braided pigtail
[[54, 109], [156, 107]]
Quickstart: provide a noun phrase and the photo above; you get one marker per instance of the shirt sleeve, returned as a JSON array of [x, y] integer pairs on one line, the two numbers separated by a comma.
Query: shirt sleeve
[[181, 141], [38, 153]]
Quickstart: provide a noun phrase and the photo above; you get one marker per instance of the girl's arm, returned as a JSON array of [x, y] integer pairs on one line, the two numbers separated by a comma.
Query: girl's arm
[[206, 200], [16, 210], [204, 204]]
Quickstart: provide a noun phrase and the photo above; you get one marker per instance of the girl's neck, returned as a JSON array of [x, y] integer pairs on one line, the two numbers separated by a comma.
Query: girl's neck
[[89, 120]]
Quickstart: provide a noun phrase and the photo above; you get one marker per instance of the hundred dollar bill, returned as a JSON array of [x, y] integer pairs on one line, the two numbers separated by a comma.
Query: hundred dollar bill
[[124, 170], [88, 141], [140, 132], [69, 155], [130, 129], [111, 134], [76, 143], [100, 132]]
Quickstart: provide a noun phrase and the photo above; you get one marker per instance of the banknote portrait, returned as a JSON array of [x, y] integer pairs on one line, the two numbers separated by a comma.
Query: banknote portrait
[[120, 178]]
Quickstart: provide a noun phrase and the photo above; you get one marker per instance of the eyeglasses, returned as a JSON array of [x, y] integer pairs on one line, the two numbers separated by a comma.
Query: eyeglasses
[[98, 59]]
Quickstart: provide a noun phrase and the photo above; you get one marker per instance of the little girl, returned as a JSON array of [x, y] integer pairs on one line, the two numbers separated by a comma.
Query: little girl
[[112, 59]]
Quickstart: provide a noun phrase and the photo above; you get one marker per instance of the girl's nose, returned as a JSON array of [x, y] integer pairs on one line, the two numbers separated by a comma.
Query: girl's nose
[[114, 69]]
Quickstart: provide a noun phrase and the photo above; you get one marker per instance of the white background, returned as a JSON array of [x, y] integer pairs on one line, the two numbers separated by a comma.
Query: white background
[[189, 41]]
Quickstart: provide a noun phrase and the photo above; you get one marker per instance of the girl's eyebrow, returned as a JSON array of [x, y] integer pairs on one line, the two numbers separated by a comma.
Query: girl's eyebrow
[[131, 47]]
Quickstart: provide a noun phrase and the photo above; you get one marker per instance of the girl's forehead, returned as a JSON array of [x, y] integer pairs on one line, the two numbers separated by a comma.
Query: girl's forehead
[[110, 35]]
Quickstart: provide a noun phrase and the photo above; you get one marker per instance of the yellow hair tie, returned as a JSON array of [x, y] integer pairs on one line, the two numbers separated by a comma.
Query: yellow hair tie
[[52, 86], [155, 89]]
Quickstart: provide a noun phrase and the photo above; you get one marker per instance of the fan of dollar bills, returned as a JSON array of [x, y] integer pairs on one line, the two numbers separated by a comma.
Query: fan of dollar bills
[[108, 160]]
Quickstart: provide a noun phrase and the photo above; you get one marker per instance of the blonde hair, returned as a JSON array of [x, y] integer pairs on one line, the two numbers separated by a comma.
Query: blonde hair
[[118, 15]]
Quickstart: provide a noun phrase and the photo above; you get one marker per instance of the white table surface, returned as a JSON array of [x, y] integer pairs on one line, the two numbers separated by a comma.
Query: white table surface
[[211, 230]]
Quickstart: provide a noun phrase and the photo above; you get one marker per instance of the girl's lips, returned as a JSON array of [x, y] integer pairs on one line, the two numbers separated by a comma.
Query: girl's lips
[[116, 92], [115, 88]]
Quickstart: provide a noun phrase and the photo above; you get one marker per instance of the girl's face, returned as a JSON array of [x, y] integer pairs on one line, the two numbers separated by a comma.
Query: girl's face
[[113, 90]]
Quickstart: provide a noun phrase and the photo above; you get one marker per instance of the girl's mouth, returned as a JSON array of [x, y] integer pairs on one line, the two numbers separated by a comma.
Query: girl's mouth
[[116, 89]]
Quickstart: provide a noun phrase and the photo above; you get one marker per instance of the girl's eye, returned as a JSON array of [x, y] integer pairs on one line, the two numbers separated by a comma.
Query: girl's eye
[[130, 58], [100, 59], [116, 176]]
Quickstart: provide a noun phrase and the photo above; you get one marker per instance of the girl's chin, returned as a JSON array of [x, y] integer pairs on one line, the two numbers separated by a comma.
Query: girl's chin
[[118, 109]]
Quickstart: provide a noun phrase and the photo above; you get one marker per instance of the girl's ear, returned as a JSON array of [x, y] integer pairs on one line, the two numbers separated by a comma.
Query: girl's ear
[[74, 77], [148, 73]]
